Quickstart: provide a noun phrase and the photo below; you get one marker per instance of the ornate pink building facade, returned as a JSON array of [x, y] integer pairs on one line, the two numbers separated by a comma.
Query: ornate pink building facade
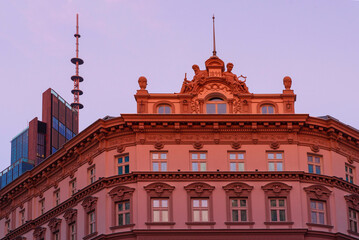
[[211, 162]]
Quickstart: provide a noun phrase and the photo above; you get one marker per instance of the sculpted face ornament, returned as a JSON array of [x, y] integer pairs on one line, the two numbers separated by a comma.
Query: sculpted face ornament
[[142, 82]]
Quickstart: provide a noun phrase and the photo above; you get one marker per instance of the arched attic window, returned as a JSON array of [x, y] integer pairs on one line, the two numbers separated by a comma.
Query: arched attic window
[[267, 109], [216, 105], [164, 109]]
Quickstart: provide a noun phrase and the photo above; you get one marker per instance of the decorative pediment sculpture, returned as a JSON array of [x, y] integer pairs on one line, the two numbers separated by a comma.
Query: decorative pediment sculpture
[[70, 215], [159, 189], [121, 192], [237, 189], [277, 189], [318, 192], [353, 201], [199, 189], [39, 233], [55, 224], [89, 203]]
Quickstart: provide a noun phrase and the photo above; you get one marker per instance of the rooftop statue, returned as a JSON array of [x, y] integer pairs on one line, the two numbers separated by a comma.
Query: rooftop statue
[[198, 80], [233, 80]]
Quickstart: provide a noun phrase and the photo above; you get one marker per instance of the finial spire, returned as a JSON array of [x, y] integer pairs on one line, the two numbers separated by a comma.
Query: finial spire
[[214, 39], [77, 78]]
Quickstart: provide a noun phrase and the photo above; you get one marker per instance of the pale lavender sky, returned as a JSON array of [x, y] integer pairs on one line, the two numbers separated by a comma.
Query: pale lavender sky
[[316, 42]]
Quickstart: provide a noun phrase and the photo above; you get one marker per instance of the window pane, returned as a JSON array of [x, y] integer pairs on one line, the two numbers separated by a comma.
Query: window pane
[[234, 203], [317, 169], [270, 109], [211, 108], [164, 203], [164, 216], [155, 166], [195, 203], [120, 171], [203, 166], [127, 158], [282, 215], [120, 219], [127, 205], [244, 215], [119, 160], [127, 168], [196, 216], [163, 155], [232, 166], [232, 156], [279, 166], [154, 155], [281, 202], [202, 156], [240, 166], [163, 166], [317, 159], [314, 217], [273, 203], [156, 203], [156, 216], [204, 203], [221, 108], [310, 159], [205, 216], [167, 109], [194, 156], [127, 218], [235, 215], [320, 205], [273, 214], [120, 207], [271, 166], [194, 167], [321, 218], [312, 205], [243, 202], [310, 168], [240, 156], [279, 156], [264, 110], [270, 155]]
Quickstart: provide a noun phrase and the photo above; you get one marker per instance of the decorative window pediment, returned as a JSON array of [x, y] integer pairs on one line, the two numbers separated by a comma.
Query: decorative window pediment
[[238, 189], [159, 189], [70, 216], [39, 233], [199, 189], [277, 189], [353, 201], [318, 192], [89, 204], [55, 225], [121, 193]]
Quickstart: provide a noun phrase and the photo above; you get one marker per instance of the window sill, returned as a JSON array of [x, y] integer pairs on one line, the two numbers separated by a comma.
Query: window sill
[[319, 225], [278, 223], [90, 235], [353, 233], [123, 226], [200, 223], [160, 223], [239, 223]]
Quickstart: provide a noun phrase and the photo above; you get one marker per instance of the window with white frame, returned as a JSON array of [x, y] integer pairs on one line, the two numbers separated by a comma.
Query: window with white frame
[[42, 206], [236, 161], [200, 209], [199, 161], [22, 217], [275, 161], [349, 173], [278, 209], [57, 198], [239, 209], [73, 187], [92, 222], [72, 229], [159, 209], [123, 164], [123, 213], [92, 174], [353, 220], [159, 161], [317, 211], [7, 226], [314, 164]]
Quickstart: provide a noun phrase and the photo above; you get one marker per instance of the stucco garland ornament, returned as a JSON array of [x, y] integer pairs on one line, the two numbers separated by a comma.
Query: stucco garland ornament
[[274, 145], [159, 145], [236, 145], [197, 145], [318, 192], [159, 188], [277, 189], [199, 188], [121, 149], [314, 148], [237, 189]]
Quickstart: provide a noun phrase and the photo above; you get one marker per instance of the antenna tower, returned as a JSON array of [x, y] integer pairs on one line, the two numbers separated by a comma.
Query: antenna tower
[[77, 78]]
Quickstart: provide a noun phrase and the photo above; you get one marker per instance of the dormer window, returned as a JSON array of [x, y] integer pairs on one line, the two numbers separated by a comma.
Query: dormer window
[[216, 106], [164, 109], [267, 109]]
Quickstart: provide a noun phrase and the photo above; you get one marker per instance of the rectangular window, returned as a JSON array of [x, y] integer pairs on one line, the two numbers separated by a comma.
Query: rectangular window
[[200, 210], [22, 217], [159, 161], [55, 123], [317, 212], [57, 198], [62, 129], [7, 226], [160, 210], [239, 209], [275, 161], [72, 228], [42, 206], [56, 236], [236, 161], [199, 161], [314, 164], [277, 209], [349, 173], [73, 187], [123, 213], [123, 165], [353, 220], [92, 175], [92, 222]]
